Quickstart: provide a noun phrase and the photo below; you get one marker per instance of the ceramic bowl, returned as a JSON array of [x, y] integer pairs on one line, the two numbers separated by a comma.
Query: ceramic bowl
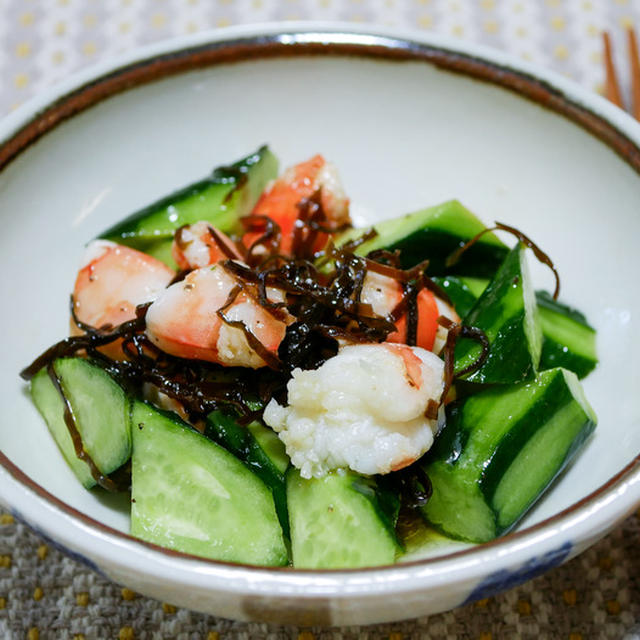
[[410, 121]]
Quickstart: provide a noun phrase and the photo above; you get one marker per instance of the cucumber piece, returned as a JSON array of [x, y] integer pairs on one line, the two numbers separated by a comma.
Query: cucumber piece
[[475, 285], [434, 234], [270, 445], [260, 448], [222, 199], [101, 411], [191, 495], [335, 523], [461, 295], [568, 340], [507, 313], [500, 450]]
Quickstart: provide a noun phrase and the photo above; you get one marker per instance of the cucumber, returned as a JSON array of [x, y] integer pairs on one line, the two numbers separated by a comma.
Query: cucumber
[[191, 495], [567, 338], [507, 313], [222, 199], [101, 416], [434, 233], [337, 522], [461, 295], [500, 450], [260, 448]]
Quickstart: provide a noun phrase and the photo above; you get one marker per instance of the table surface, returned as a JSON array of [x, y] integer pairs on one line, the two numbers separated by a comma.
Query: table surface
[[44, 594]]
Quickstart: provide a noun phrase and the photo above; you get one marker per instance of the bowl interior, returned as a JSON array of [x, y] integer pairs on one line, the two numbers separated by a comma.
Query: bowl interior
[[403, 135]]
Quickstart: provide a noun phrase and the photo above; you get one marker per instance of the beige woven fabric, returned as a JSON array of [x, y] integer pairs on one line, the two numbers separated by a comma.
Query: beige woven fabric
[[46, 595]]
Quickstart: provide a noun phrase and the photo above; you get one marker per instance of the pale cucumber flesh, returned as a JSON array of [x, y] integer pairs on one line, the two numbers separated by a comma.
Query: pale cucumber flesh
[[507, 314], [191, 495], [334, 525], [100, 408]]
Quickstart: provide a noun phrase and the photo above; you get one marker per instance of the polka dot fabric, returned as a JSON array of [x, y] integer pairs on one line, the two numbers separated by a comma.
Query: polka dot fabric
[[45, 595], [42, 42]]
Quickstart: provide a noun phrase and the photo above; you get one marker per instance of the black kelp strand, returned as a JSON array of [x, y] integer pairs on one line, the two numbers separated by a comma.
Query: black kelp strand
[[78, 446], [411, 295], [268, 242], [499, 226], [413, 485], [320, 301], [269, 358], [384, 256], [455, 331]]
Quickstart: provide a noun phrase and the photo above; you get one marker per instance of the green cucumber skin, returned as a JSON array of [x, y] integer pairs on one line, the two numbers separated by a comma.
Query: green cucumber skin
[[507, 313], [241, 442], [481, 259], [556, 393], [218, 199], [460, 295], [568, 340], [335, 523], [382, 495], [101, 411], [434, 233], [182, 483], [555, 354], [482, 445]]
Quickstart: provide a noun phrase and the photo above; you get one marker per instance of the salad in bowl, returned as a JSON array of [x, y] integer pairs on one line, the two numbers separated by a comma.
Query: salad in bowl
[[276, 387]]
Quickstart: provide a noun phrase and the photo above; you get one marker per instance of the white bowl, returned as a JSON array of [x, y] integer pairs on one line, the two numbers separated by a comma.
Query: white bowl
[[409, 122]]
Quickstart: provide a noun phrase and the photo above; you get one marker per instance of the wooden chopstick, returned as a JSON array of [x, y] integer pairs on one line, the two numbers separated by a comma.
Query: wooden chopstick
[[612, 88], [635, 73]]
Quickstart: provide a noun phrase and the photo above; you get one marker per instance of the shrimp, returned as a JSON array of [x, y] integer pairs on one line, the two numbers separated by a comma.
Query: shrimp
[[281, 199], [363, 409], [113, 280], [185, 321], [200, 244], [384, 293]]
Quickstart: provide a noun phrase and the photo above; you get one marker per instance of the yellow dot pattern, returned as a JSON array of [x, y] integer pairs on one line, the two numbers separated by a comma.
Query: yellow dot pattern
[[127, 594], [50, 40], [126, 633], [524, 607], [546, 32]]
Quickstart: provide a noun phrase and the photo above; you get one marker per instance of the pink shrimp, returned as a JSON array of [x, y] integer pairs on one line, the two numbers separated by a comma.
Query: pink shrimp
[[112, 282], [185, 321], [200, 244], [384, 293], [280, 200]]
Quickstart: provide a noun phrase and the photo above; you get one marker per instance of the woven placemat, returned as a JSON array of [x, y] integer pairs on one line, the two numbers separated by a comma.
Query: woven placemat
[[44, 594]]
